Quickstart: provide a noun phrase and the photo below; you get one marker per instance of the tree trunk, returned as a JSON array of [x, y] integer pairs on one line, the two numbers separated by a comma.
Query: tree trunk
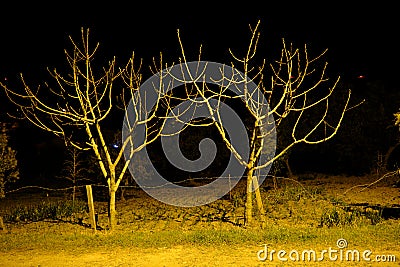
[[73, 194], [112, 212], [123, 195], [259, 202], [388, 154], [289, 169]]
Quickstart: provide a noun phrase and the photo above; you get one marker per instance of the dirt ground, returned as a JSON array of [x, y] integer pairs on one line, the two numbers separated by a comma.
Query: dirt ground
[[351, 190], [174, 257]]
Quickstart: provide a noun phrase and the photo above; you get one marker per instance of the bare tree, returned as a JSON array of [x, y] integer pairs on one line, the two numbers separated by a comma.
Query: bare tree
[[79, 107], [297, 90], [75, 169]]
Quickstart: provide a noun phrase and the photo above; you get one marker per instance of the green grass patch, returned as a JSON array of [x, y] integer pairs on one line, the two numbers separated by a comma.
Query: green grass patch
[[368, 235]]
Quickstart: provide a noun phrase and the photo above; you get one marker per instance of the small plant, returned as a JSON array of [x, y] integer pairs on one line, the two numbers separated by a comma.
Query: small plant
[[330, 218], [238, 199], [374, 215]]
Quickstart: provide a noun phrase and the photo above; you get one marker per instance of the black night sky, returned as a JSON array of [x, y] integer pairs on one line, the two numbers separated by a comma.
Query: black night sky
[[361, 39]]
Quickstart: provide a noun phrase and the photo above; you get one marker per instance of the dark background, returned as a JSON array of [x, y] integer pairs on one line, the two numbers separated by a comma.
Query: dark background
[[361, 40]]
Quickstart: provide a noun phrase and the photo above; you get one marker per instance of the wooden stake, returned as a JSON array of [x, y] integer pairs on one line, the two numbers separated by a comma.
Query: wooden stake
[[274, 179], [2, 226], [230, 188], [92, 216]]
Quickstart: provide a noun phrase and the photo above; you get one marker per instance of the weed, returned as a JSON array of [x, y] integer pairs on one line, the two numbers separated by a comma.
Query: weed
[[374, 215], [238, 199]]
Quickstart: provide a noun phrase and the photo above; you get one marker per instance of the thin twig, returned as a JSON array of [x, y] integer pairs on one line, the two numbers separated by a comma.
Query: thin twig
[[365, 186]]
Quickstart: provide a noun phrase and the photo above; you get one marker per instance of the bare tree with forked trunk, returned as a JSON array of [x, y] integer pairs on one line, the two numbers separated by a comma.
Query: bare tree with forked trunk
[[296, 89], [80, 105]]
